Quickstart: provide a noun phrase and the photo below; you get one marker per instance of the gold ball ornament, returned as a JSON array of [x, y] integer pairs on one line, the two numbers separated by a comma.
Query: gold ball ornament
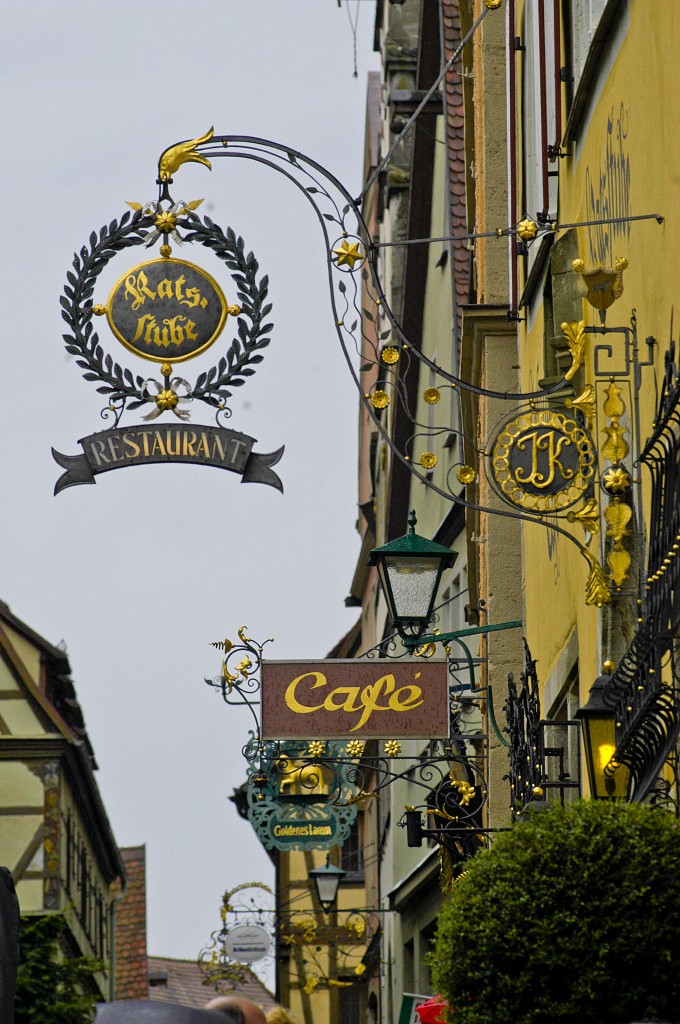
[[390, 355], [527, 229], [99, 310], [166, 251], [428, 460], [166, 369], [165, 221], [616, 480], [466, 475], [166, 400], [608, 667]]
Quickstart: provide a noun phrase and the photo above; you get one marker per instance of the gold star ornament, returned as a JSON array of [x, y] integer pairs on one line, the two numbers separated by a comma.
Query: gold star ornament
[[527, 229], [348, 253], [616, 480]]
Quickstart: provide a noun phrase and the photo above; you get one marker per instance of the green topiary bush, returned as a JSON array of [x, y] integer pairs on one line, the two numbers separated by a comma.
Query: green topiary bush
[[573, 917]]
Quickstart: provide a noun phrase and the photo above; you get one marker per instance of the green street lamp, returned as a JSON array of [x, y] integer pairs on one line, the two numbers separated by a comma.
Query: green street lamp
[[608, 779], [327, 881], [410, 569]]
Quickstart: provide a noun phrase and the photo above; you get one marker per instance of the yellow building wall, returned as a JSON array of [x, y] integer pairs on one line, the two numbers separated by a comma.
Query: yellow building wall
[[624, 162]]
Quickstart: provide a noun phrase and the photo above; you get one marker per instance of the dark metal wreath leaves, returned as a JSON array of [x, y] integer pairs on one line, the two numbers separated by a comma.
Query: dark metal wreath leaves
[[145, 298]]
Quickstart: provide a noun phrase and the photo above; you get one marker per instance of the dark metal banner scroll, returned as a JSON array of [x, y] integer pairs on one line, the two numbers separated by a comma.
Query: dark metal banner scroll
[[336, 699], [174, 442]]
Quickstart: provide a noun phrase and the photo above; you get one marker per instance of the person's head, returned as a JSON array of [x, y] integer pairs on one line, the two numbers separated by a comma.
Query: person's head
[[249, 1012], [279, 1015]]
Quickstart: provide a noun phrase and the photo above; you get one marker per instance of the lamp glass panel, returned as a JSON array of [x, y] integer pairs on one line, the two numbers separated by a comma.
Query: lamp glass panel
[[606, 781], [327, 887], [412, 582]]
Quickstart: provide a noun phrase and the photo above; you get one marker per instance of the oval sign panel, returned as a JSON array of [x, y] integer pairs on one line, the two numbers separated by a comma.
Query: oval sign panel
[[248, 943], [542, 461], [166, 310]]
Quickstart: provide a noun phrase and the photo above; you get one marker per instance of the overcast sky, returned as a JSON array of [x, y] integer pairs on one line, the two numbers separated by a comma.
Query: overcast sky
[[140, 572]]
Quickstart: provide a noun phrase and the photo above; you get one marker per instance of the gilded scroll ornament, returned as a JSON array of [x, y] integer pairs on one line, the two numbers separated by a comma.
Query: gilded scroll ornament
[[584, 403], [597, 588], [588, 516], [575, 336]]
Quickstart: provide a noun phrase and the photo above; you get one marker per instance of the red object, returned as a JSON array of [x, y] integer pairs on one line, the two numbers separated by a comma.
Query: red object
[[432, 1010]]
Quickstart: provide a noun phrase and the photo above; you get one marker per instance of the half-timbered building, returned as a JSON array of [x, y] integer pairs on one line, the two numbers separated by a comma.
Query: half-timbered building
[[55, 835]]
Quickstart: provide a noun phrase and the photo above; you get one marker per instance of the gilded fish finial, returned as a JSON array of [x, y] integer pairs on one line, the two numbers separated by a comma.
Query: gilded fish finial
[[172, 158]]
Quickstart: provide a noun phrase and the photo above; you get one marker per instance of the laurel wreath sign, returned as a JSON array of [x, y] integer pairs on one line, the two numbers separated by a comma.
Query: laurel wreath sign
[[119, 383]]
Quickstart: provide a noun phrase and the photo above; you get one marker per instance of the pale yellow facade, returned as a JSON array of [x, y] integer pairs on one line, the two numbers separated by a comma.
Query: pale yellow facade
[[617, 167], [54, 834]]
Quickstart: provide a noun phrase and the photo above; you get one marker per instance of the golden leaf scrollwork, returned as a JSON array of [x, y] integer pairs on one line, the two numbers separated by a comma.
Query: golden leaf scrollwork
[[359, 798], [575, 336], [584, 403], [588, 516], [597, 588]]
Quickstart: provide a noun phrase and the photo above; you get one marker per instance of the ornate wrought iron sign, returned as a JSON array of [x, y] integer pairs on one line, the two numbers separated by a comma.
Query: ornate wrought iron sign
[[248, 943], [335, 699], [302, 806], [166, 311], [542, 461]]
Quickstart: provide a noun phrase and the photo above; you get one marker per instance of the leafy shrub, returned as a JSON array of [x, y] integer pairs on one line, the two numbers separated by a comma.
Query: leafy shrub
[[50, 989], [572, 917]]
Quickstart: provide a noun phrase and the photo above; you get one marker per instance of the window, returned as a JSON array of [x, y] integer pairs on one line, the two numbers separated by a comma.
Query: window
[[352, 854], [349, 1004], [561, 745]]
